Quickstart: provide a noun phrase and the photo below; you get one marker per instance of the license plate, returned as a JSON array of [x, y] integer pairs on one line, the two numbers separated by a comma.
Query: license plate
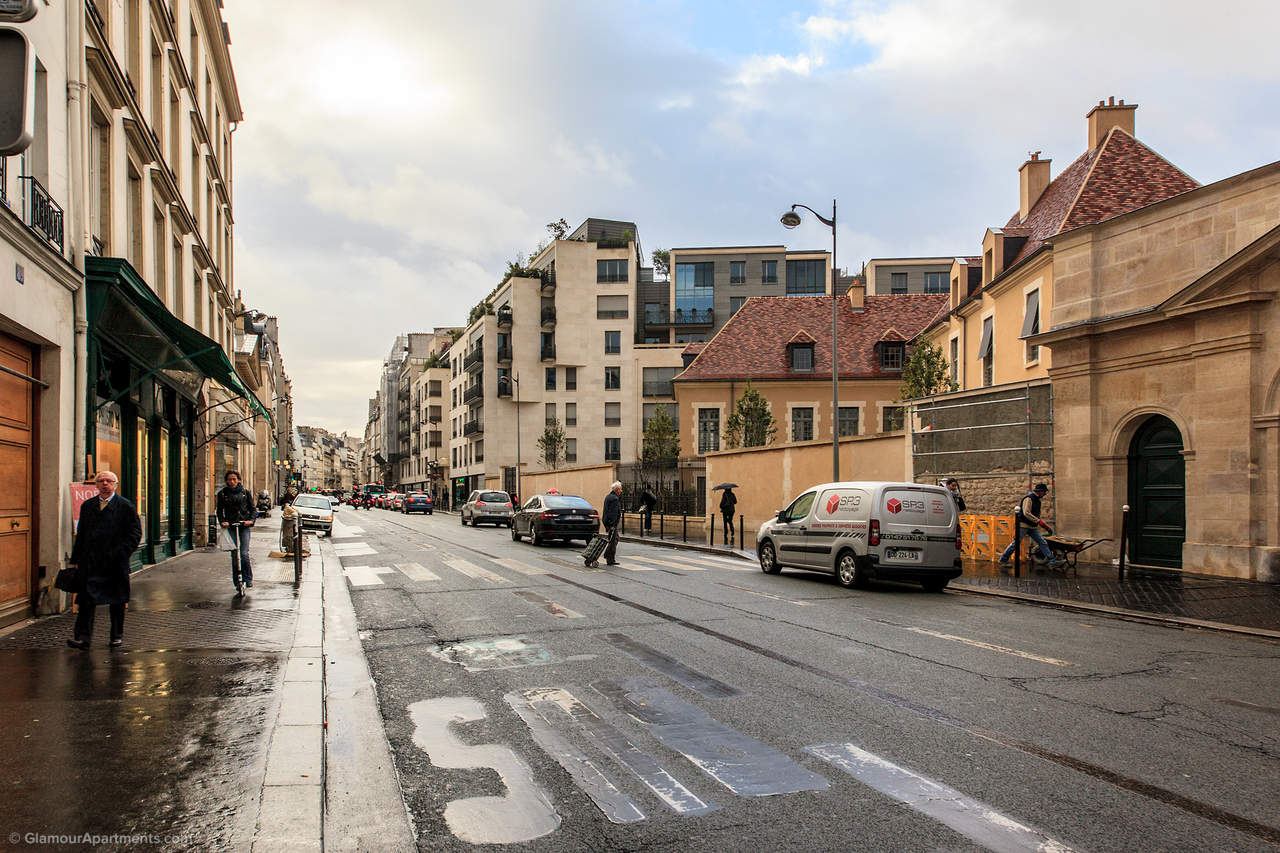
[[906, 555]]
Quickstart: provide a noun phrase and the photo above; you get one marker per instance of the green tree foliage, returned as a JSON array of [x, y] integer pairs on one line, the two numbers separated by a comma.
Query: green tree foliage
[[751, 424], [479, 310], [558, 229], [661, 264], [551, 445], [661, 447], [926, 373]]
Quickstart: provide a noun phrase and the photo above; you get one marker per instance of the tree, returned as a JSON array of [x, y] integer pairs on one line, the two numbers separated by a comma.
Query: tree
[[552, 445], [751, 424], [661, 446], [661, 263], [926, 373]]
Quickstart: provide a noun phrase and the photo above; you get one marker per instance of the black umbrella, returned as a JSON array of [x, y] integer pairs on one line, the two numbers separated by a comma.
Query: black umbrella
[[725, 486]]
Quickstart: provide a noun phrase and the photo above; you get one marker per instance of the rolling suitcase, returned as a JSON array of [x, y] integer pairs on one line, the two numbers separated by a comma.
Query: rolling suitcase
[[594, 549]]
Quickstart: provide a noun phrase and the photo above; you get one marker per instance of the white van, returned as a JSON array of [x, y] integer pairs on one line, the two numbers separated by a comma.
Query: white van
[[859, 531]]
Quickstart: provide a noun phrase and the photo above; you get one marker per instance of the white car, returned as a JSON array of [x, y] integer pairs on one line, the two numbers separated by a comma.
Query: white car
[[487, 506], [315, 512]]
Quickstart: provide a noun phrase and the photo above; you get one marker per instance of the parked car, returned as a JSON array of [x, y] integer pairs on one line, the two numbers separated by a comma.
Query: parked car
[[315, 512], [417, 502], [555, 516], [859, 531], [395, 501], [486, 507]]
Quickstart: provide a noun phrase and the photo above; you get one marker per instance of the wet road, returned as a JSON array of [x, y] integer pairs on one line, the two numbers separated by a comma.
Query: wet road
[[692, 702]]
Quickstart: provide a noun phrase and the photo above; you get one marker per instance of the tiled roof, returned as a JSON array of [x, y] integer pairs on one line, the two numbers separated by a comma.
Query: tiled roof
[[892, 334], [693, 348], [802, 337], [1118, 176], [753, 344]]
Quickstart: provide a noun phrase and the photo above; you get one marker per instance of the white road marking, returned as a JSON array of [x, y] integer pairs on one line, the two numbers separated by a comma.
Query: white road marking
[[971, 818], [523, 813], [688, 567], [353, 549], [417, 572], [367, 575], [471, 570], [522, 568], [767, 595], [981, 645]]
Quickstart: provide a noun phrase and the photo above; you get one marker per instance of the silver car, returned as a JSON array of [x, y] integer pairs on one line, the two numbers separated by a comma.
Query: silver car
[[486, 506], [315, 512]]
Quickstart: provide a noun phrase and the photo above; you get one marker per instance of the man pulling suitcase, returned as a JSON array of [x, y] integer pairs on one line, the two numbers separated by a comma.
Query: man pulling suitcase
[[608, 542]]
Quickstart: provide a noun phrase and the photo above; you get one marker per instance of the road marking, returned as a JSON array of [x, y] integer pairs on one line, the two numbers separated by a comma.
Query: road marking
[[367, 575], [562, 709], [690, 567], [557, 610], [524, 813], [417, 572], [971, 818], [1240, 703], [742, 764], [766, 595], [981, 645], [501, 653], [427, 546], [585, 773], [522, 568], [353, 549], [712, 688], [471, 570]]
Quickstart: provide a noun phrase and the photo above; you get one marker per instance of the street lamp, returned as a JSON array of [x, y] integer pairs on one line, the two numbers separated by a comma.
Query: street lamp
[[791, 219], [515, 380], [435, 458]]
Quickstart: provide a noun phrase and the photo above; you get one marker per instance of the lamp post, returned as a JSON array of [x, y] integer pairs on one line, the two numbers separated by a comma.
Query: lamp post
[[791, 219], [435, 457], [515, 380]]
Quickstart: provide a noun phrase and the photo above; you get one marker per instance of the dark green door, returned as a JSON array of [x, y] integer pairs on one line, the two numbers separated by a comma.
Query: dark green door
[[1157, 494]]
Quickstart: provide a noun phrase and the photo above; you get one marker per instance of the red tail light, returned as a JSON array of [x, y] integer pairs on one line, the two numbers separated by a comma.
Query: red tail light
[[875, 532], [508, 503], [595, 516], [959, 541], [479, 503], [548, 515]]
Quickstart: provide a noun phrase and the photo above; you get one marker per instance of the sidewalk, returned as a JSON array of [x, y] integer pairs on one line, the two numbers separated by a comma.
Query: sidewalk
[[207, 729]]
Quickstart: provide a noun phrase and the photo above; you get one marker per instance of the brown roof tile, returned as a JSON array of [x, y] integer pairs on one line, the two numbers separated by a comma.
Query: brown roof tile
[[753, 344]]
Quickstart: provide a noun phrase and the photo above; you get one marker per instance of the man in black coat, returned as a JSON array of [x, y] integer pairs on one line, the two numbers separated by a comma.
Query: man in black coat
[[106, 537], [610, 518], [728, 503]]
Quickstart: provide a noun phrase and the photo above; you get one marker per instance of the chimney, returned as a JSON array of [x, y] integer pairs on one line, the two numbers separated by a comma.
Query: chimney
[[857, 293], [1033, 177], [1107, 115]]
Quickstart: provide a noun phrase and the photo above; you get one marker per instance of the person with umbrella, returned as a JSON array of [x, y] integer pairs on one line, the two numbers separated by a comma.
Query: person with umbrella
[[728, 501]]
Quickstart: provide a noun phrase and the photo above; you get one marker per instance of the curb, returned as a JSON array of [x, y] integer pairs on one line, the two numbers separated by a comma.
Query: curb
[[1119, 612], [685, 546]]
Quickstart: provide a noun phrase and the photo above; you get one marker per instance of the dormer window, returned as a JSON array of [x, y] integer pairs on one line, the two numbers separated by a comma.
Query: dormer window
[[891, 355], [802, 358]]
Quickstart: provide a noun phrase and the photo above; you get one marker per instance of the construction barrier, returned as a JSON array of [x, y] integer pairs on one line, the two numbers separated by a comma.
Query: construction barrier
[[984, 537]]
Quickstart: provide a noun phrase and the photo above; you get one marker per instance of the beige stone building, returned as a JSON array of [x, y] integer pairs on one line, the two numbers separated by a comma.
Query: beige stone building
[[1147, 300], [427, 467], [560, 339], [897, 276]]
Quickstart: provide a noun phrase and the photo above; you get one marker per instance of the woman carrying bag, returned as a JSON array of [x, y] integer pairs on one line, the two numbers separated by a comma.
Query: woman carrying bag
[[236, 514]]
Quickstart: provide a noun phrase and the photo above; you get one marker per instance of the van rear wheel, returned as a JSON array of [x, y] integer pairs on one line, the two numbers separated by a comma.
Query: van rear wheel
[[935, 584], [849, 572], [769, 559]]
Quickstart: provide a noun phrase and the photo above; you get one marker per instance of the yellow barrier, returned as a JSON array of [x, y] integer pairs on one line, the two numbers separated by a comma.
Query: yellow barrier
[[984, 537]]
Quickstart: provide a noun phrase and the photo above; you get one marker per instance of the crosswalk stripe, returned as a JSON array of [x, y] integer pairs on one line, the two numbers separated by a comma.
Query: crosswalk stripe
[[367, 575], [353, 549], [417, 572], [522, 568], [689, 567], [471, 570]]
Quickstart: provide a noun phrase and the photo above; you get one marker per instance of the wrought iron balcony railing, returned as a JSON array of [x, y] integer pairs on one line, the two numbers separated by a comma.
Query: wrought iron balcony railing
[[475, 427], [504, 318], [548, 277], [504, 389], [504, 354], [473, 359], [43, 215], [549, 316], [548, 352], [473, 392], [680, 317]]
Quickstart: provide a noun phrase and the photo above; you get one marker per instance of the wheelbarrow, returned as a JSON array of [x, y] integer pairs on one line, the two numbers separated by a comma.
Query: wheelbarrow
[[1066, 549]]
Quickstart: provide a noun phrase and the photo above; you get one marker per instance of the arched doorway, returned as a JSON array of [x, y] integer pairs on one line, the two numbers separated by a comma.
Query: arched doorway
[[1157, 494]]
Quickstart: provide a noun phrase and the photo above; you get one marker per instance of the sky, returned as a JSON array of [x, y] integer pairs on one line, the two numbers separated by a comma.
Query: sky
[[391, 163]]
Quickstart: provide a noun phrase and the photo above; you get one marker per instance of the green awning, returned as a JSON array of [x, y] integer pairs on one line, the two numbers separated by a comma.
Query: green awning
[[124, 310]]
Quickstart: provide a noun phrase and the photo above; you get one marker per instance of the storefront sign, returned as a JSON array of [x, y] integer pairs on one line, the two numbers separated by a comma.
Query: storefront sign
[[80, 492]]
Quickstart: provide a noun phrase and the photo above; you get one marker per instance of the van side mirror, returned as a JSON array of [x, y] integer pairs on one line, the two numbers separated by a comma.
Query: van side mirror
[[781, 515]]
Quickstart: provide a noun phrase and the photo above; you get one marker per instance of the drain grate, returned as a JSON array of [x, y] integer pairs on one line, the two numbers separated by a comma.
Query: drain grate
[[190, 628]]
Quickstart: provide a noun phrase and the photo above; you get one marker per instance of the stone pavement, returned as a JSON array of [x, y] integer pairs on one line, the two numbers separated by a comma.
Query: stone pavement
[[208, 729]]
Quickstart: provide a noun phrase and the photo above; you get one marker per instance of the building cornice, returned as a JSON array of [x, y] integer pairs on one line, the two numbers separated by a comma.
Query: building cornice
[[33, 249]]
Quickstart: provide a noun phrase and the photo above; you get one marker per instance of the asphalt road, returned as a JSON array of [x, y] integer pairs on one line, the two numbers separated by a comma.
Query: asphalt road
[[684, 701]]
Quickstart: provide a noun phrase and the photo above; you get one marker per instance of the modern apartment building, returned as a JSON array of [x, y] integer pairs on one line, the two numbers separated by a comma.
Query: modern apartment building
[[426, 468], [900, 276], [555, 343], [708, 285]]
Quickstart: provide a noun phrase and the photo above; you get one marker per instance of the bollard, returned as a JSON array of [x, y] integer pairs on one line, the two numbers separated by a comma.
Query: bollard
[[662, 526], [684, 526], [741, 538], [1017, 548], [713, 530], [297, 552], [622, 524], [1124, 536]]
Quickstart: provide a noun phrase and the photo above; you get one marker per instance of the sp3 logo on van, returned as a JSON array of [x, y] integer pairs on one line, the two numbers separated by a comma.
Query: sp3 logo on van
[[895, 506], [842, 503]]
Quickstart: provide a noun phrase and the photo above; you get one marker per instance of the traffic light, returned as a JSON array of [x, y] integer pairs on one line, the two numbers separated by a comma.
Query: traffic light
[[17, 92]]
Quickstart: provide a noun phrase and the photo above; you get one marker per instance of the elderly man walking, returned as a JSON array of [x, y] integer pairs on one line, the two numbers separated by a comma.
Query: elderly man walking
[[611, 517], [106, 537]]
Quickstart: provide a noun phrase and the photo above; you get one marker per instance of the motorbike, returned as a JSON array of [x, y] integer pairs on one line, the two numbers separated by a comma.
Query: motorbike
[[264, 504]]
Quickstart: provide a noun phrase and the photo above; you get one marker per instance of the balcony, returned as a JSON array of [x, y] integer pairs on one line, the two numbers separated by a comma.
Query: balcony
[[549, 316], [504, 389], [43, 215], [474, 392], [504, 318], [504, 354], [548, 352], [435, 440], [680, 317], [548, 277], [474, 359], [659, 388], [475, 427]]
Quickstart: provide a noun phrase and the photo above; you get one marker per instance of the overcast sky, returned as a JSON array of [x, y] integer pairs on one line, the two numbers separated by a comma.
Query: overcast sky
[[392, 160]]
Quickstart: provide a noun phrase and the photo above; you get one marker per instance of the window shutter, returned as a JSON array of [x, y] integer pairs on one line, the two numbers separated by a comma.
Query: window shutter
[[984, 348], [1030, 323]]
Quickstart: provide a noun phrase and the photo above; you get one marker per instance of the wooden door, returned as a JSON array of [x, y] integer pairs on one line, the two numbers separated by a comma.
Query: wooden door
[[1157, 494], [17, 468]]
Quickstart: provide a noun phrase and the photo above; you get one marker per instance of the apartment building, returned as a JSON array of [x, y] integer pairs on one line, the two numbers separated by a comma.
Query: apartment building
[[898, 276], [328, 460], [555, 342], [117, 222], [708, 285], [426, 469], [260, 363]]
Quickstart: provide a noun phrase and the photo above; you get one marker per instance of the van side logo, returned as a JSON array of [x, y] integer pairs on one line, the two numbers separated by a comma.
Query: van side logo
[[833, 504], [894, 505]]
